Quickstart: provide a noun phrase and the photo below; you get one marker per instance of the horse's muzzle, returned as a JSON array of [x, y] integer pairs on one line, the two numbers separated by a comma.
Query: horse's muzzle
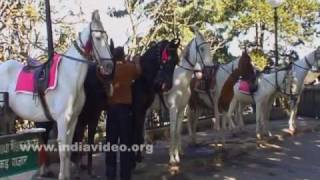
[[199, 75], [106, 68]]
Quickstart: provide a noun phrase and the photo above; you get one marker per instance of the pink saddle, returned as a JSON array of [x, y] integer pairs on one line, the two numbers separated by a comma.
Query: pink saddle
[[244, 87], [26, 80]]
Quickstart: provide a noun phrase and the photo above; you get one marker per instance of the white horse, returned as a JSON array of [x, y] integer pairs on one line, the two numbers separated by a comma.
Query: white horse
[[67, 99], [195, 57], [267, 90]]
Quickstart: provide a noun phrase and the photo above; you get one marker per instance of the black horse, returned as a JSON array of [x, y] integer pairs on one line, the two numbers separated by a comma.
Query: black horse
[[96, 102], [158, 64]]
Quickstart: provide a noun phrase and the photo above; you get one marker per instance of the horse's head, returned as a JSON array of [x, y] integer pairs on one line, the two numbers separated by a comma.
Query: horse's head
[[93, 45], [316, 62], [246, 69], [168, 60], [197, 53]]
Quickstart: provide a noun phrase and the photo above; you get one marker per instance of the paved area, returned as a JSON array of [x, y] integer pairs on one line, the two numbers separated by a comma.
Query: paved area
[[296, 158], [281, 157]]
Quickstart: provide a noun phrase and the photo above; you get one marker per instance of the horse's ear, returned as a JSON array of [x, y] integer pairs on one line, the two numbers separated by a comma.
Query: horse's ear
[[95, 16], [111, 46]]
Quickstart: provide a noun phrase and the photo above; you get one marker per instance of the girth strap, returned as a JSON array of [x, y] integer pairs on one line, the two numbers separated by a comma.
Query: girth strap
[[44, 105]]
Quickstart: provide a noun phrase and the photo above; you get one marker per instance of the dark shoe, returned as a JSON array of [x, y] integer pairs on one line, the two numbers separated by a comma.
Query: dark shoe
[[111, 177], [126, 178]]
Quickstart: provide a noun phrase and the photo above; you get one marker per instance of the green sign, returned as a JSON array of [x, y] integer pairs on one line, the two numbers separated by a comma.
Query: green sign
[[15, 157]]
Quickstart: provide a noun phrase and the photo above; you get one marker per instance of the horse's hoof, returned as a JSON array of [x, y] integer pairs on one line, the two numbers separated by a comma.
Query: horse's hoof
[[174, 169], [259, 137], [48, 174], [292, 131]]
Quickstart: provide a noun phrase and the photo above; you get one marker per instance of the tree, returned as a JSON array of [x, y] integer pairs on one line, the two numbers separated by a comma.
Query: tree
[[20, 29]]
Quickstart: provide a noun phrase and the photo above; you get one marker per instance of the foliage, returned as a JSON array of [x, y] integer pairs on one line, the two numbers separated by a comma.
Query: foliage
[[21, 32], [228, 19], [259, 59]]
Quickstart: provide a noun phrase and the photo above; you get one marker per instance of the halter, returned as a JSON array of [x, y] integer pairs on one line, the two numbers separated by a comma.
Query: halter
[[87, 50], [291, 95], [165, 54], [304, 68], [201, 59]]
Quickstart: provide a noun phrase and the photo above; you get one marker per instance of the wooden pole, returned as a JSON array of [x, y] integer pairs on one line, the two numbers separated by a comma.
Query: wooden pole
[[49, 30]]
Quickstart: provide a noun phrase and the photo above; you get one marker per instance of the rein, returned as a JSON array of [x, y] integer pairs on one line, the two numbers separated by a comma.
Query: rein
[[82, 50], [188, 61], [277, 87], [203, 66], [85, 53]]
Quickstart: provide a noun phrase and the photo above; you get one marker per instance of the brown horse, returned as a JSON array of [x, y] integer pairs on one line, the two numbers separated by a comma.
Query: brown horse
[[244, 71], [225, 78]]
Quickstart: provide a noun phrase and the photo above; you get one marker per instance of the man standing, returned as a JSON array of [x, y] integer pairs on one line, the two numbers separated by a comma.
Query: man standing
[[119, 118]]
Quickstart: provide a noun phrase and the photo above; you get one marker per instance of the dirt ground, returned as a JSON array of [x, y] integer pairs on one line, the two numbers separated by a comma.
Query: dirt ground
[[281, 157]]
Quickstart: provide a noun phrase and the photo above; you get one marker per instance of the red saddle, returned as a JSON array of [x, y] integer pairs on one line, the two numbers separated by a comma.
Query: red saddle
[[26, 79], [244, 87]]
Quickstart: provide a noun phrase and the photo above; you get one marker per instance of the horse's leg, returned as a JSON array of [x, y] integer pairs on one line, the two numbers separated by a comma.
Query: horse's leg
[[217, 116], [179, 149], [44, 163], [64, 173], [173, 131], [192, 115], [224, 121], [263, 107], [142, 99], [92, 125], [258, 119], [78, 136], [195, 125], [66, 127], [190, 120], [267, 115], [70, 132], [293, 115], [240, 116], [231, 111]]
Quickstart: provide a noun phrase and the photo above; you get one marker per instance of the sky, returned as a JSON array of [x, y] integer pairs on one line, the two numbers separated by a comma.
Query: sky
[[119, 28]]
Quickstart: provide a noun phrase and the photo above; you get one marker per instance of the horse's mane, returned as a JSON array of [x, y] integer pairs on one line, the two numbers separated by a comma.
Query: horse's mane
[[150, 60], [153, 49]]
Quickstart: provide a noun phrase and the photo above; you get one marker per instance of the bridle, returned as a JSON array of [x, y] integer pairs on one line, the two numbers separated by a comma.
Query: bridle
[[198, 46], [89, 51], [288, 68], [201, 59]]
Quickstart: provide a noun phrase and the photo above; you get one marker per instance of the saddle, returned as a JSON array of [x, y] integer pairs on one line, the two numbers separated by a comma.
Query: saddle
[[41, 74], [249, 85], [41, 79]]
